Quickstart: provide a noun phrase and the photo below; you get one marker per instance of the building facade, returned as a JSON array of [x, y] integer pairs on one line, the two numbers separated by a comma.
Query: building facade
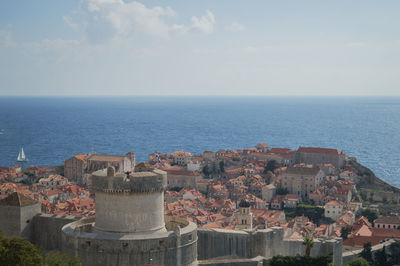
[[301, 181], [312, 155], [79, 167]]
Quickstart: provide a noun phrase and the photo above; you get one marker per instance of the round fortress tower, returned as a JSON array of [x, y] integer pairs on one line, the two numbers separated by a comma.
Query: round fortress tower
[[132, 203], [130, 227]]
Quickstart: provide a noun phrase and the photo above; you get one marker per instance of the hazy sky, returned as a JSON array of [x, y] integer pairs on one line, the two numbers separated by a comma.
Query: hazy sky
[[207, 47]]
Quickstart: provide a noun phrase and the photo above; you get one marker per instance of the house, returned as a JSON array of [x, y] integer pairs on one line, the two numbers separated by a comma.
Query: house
[[193, 165], [277, 202], [182, 178], [388, 222], [208, 156], [333, 209], [79, 167], [314, 155], [262, 146], [301, 180], [218, 192], [181, 157], [256, 188], [291, 201], [268, 192], [190, 194], [317, 196], [53, 181]]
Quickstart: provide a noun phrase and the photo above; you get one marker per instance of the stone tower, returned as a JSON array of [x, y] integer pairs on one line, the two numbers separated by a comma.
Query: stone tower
[[130, 227], [130, 204], [244, 216], [16, 213]]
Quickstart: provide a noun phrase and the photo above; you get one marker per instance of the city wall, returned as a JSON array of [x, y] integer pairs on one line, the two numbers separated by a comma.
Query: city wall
[[46, 230], [349, 255], [214, 243], [17, 221], [257, 261], [178, 247]]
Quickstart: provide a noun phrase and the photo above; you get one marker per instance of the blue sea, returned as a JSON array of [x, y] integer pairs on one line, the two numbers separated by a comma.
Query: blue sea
[[51, 129]]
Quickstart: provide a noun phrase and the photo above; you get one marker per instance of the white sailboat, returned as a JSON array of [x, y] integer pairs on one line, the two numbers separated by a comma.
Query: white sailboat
[[21, 156]]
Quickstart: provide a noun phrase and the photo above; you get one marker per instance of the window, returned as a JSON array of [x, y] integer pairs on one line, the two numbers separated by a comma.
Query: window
[[389, 226], [383, 226], [379, 226]]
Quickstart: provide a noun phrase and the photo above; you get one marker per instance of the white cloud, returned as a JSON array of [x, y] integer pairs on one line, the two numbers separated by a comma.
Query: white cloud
[[236, 27], [205, 23], [103, 20], [6, 38]]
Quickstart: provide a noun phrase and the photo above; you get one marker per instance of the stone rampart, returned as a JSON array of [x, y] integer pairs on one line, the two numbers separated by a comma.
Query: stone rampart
[[137, 182], [349, 255], [257, 261], [46, 230], [214, 243], [178, 247]]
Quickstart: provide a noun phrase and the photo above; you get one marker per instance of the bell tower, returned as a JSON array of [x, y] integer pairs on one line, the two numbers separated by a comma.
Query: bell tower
[[244, 216]]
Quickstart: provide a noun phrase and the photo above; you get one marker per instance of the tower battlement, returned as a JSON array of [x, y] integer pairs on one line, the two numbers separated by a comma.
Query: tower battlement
[[108, 181]]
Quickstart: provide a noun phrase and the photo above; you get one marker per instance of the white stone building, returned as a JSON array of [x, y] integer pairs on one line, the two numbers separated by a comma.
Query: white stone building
[[333, 209]]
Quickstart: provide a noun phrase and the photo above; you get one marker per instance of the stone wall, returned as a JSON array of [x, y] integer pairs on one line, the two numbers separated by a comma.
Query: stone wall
[[46, 231], [257, 261], [74, 169], [349, 255], [128, 212], [10, 220], [214, 243], [17, 221], [178, 247], [319, 158], [27, 215]]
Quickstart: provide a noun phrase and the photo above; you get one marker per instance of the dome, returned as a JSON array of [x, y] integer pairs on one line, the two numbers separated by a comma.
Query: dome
[[244, 203]]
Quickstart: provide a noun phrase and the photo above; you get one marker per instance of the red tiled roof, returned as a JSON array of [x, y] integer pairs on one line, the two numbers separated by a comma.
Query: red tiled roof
[[280, 150], [388, 220], [17, 199], [81, 157]]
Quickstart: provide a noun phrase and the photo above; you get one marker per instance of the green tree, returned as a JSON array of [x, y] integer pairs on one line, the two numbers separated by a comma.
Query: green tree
[[366, 253], [357, 262], [344, 232], [18, 251], [222, 166], [269, 176], [55, 258], [320, 260], [394, 258], [309, 243], [380, 257], [271, 166], [206, 170], [371, 215]]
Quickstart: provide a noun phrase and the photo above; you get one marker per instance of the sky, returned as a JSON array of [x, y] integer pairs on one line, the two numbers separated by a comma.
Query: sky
[[207, 47]]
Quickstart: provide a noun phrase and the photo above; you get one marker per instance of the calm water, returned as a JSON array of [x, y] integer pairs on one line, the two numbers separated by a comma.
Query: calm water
[[53, 129]]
